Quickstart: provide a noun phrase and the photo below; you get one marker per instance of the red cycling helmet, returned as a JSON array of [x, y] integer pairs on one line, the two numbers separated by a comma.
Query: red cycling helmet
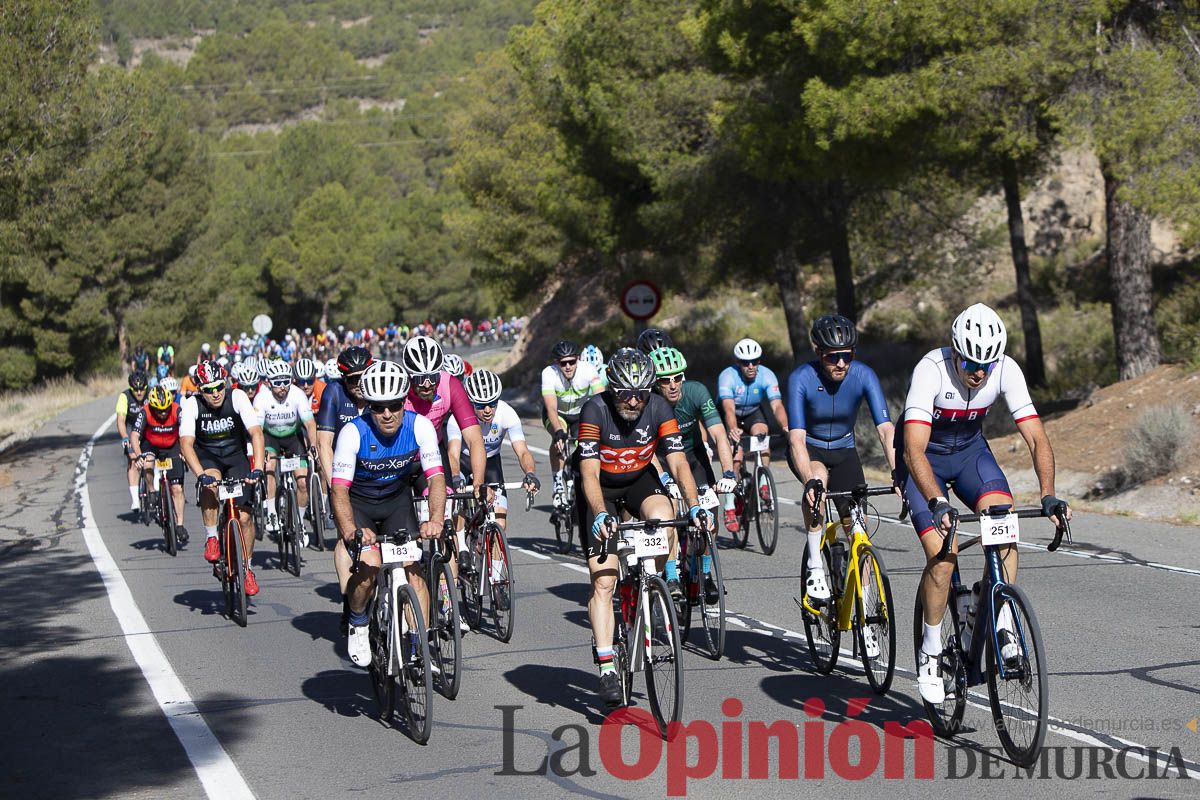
[[209, 373]]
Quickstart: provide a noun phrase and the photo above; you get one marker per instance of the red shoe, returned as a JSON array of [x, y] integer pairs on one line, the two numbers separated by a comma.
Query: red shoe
[[251, 584], [212, 550], [764, 492], [731, 520]]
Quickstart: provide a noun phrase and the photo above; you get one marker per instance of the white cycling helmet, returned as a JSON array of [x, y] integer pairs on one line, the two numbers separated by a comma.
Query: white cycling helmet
[[279, 372], [747, 350], [192, 371], [422, 356], [483, 386], [260, 366], [384, 382], [453, 364], [237, 372], [170, 384], [978, 334], [593, 356], [331, 370], [306, 369]]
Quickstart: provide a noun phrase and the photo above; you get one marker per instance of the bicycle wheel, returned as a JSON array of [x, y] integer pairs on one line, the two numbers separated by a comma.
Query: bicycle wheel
[[562, 536], [712, 615], [316, 509], [1020, 698], [143, 498], [166, 513], [236, 561], [873, 621], [468, 583], [415, 678], [945, 717], [664, 655], [744, 504], [283, 514], [569, 528], [766, 522], [221, 568], [821, 629], [503, 587], [383, 655], [295, 530], [445, 640]]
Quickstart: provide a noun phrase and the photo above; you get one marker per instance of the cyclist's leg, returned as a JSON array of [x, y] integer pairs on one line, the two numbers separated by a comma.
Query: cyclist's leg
[[358, 586], [815, 526], [175, 479], [981, 484], [603, 579], [131, 474], [845, 473], [756, 425], [239, 467], [301, 474], [208, 497], [935, 579], [651, 501], [272, 448]]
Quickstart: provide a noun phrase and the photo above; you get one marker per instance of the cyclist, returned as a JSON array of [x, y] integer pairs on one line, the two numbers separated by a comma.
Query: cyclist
[[941, 440], [651, 339], [374, 456], [129, 402], [741, 390], [157, 427], [188, 386], [282, 410], [213, 433], [140, 360], [454, 365], [310, 383], [566, 386], [341, 403], [823, 397], [619, 431], [205, 353], [594, 358], [693, 404], [166, 354]]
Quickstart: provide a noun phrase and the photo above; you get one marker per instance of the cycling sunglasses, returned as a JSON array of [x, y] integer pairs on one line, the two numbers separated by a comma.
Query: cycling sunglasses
[[667, 380], [213, 388], [838, 355], [429, 379], [969, 366], [568, 362], [308, 382], [483, 406], [631, 395], [754, 362], [279, 383], [393, 407]]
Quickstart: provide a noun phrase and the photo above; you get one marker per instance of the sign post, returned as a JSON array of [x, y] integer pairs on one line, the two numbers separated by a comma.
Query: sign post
[[262, 324], [640, 300]]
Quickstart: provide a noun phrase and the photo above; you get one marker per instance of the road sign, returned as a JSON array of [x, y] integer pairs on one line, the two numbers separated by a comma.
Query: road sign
[[261, 324], [640, 300]]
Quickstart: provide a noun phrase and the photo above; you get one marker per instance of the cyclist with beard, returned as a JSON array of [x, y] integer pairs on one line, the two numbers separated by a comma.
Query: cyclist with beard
[[341, 403], [566, 386], [129, 403]]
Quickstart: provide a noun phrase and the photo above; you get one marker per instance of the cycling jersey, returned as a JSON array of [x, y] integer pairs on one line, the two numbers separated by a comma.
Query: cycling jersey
[[747, 397], [450, 398], [826, 410], [222, 430], [505, 422], [282, 419], [695, 404], [128, 407], [939, 400], [160, 434], [571, 394], [337, 408], [372, 466], [315, 399], [623, 448]]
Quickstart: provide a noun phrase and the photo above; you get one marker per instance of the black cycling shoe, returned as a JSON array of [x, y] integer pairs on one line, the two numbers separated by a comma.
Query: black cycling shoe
[[502, 598], [610, 689], [712, 595], [181, 535], [675, 589]]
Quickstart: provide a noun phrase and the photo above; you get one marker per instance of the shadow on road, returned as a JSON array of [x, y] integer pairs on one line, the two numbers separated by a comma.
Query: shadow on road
[[560, 687], [342, 691], [321, 625]]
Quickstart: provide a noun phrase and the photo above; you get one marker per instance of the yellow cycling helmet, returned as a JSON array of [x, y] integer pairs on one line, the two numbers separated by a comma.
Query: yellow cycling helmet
[[160, 399]]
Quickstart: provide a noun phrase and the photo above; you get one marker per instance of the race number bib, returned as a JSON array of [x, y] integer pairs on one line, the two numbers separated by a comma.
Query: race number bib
[[708, 499], [650, 544], [999, 530], [760, 444], [164, 464], [400, 553], [289, 464], [229, 491]]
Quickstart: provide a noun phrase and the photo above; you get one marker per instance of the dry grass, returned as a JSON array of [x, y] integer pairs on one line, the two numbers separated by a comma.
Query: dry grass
[[26, 410]]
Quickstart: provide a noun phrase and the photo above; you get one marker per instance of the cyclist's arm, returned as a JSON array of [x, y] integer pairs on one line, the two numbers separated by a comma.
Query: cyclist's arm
[[453, 447], [720, 437], [325, 452], [730, 413], [524, 457], [1034, 433], [780, 414], [798, 449], [677, 465], [516, 438], [589, 473], [916, 439], [887, 437], [310, 432], [187, 435], [122, 410], [551, 403], [341, 468]]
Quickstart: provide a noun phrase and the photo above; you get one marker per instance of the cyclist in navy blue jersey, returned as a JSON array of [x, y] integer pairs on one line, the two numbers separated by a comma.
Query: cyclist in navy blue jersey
[[341, 402], [823, 398]]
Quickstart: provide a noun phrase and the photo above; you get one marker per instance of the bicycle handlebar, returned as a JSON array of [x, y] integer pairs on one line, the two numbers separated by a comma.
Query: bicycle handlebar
[[1058, 514], [637, 524], [399, 536]]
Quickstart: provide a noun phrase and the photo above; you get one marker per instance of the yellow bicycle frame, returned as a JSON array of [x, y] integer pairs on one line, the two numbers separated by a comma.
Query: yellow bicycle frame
[[845, 611]]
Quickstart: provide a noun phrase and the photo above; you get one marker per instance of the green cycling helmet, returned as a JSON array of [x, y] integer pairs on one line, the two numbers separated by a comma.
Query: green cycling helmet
[[668, 361]]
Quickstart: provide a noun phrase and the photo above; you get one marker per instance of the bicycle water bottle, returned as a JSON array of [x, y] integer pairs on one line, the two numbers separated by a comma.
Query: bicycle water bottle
[[837, 559], [627, 601]]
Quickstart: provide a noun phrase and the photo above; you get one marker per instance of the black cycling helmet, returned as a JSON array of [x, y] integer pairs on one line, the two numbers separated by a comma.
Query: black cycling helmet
[[630, 369], [138, 380], [565, 349], [834, 332], [354, 359], [653, 338]]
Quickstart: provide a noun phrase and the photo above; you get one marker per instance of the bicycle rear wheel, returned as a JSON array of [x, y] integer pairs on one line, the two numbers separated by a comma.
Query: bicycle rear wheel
[[873, 622], [503, 587], [945, 717], [1020, 698], [415, 678], [446, 637], [821, 629], [236, 570], [766, 522], [712, 615], [664, 656]]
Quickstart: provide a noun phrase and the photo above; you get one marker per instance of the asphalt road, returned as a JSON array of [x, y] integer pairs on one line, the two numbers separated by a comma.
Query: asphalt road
[[276, 710]]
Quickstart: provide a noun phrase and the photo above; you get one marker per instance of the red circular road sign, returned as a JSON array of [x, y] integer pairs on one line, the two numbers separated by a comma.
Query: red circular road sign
[[640, 300]]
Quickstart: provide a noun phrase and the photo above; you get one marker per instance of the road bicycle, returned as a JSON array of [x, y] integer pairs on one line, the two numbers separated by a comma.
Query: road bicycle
[[162, 502], [445, 635], [488, 572], [755, 497], [646, 635], [145, 502], [973, 626], [290, 536], [562, 515], [230, 568], [693, 547], [860, 593], [400, 659], [317, 502]]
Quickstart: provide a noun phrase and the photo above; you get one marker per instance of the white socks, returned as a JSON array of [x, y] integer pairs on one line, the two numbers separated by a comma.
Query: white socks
[[931, 642], [814, 550]]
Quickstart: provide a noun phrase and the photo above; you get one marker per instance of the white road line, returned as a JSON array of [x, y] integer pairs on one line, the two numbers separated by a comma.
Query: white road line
[[216, 770]]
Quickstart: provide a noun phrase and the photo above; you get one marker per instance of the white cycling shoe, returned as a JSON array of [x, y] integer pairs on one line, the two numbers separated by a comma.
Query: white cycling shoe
[[359, 644], [870, 641], [815, 587], [929, 678]]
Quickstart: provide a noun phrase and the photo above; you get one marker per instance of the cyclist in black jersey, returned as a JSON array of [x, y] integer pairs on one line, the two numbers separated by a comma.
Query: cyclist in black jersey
[[619, 431], [129, 403]]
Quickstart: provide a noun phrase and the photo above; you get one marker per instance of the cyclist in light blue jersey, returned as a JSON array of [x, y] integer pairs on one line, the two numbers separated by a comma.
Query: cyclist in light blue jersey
[[741, 390]]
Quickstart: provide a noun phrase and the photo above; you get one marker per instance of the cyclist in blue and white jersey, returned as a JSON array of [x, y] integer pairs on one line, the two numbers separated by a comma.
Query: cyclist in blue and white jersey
[[373, 461], [941, 441], [594, 358], [285, 413], [823, 397], [741, 390]]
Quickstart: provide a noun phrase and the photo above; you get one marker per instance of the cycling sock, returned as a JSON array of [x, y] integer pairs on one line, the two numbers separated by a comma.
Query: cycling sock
[[672, 569], [211, 531], [1004, 620], [931, 643], [133, 494], [461, 538], [605, 656], [814, 550], [497, 572], [706, 565], [729, 502], [359, 618]]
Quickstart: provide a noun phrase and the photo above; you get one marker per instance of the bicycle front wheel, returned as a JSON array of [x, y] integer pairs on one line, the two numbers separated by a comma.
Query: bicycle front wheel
[[766, 523], [873, 622], [502, 585], [445, 640], [236, 570], [712, 615], [384, 655], [820, 628], [143, 498], [167, 514], [945, 717], [664, 655], [468, 584], [316, 509], [415, 678], [295, 531], [1016, 679]]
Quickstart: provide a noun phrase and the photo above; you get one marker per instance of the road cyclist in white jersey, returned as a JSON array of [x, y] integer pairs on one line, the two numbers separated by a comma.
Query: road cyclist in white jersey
[[566, 385], [283, 410], [940, 441]]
